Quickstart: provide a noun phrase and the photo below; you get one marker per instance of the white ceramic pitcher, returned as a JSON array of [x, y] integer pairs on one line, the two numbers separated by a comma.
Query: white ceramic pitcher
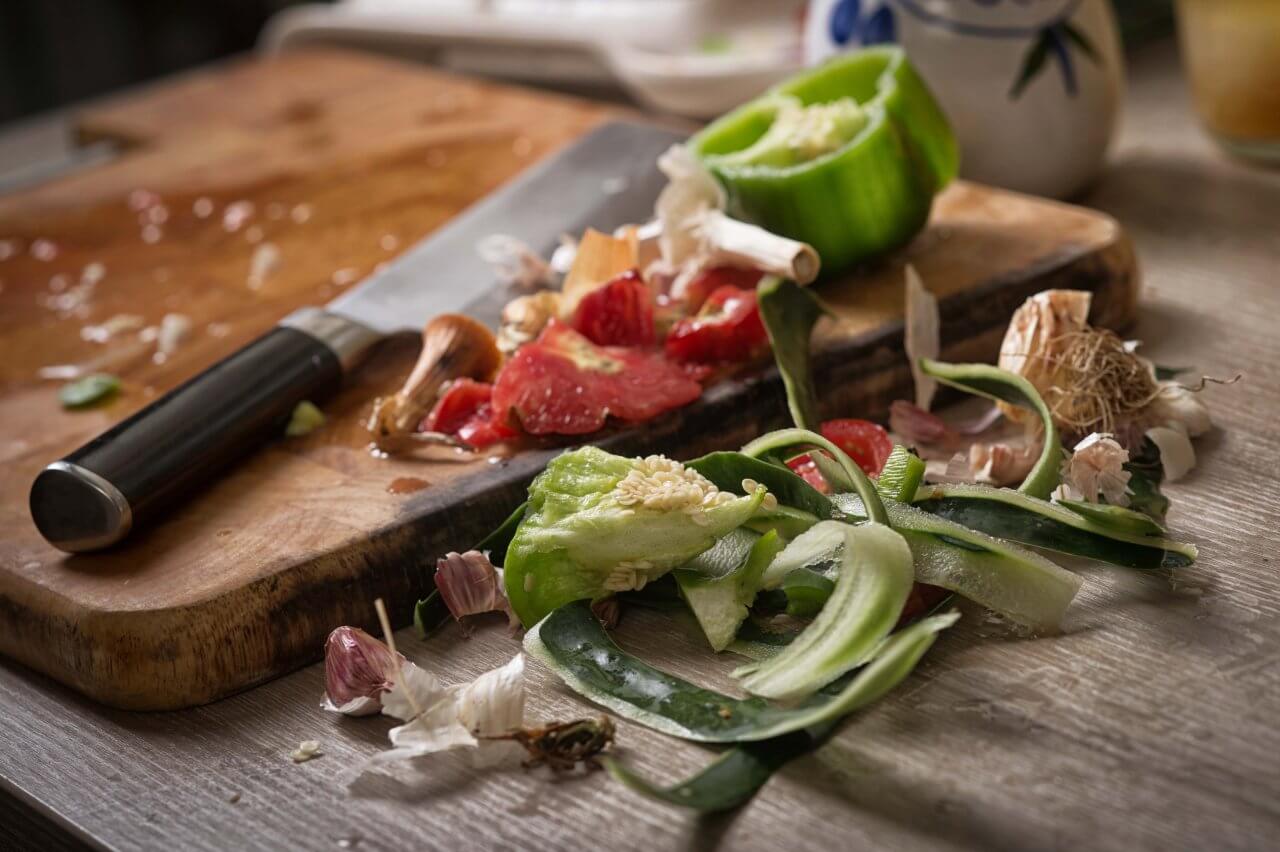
[[1032, 87]]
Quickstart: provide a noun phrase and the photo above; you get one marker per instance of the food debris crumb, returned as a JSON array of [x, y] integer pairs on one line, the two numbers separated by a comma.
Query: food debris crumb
[[218, 329], [236, 214], [265, 261], [614, 185], [151, 234], [724, 712], [300, 213], [141, 199], [117, 324], [174, 329], [389, 242], [157, 215], [233, 798], [44, 250], [202, 207], [8, 248], [254, 234], [306, 750], [346, 275], [92, 273]]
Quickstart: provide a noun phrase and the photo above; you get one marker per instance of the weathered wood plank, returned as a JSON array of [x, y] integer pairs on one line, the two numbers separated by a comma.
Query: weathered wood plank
[[1150, 724]]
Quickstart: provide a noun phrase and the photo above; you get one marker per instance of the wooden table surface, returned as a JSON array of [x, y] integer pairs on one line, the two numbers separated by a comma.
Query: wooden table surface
[[1150, 723]]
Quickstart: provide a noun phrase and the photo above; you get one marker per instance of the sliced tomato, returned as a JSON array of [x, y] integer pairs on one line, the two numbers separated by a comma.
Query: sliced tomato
[[461, 401], [867, 443], [710, 280], [728, 328], [618, 314], [564, 384], [807, 469], [466, 410]]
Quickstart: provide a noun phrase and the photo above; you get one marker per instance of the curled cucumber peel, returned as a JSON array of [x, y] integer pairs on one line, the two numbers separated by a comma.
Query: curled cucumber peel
[[1003, 386]]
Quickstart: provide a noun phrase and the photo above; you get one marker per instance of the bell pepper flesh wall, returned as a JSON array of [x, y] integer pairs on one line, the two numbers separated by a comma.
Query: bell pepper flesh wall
[[846, 157], [597, 523]]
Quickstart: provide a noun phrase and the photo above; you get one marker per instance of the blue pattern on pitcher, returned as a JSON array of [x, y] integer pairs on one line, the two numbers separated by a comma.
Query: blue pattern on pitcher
[[1054, 37]]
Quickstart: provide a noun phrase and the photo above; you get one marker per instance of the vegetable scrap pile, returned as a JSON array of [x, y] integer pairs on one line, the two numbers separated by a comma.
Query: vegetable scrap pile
[[830, 169], [823, 557]]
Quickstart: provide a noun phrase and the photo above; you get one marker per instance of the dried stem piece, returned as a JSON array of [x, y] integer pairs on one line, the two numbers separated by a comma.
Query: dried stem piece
[[453, 346], [729, 241]]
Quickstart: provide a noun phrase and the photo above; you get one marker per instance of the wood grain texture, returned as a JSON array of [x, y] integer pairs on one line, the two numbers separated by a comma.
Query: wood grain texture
[[1149, 724], [243, 582]]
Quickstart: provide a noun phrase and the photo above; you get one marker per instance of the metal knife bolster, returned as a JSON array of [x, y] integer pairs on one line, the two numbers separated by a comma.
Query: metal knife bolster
[[347, 339], [93, 497]]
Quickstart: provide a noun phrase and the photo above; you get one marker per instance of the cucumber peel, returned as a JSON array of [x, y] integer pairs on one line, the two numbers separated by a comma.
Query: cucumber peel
[[571, 642], [901, 475], [1004, 386], [789, 313], [1019, 517], [1017, 583], [873, 581], [720, 603]]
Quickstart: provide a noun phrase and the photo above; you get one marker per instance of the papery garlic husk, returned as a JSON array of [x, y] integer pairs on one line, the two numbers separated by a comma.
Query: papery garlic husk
[[1180, 408], [690, 192], [515, 263], [524, 318], [358, 671], [1095, 469], [1036, 338], [1003, 463], [440, 718], [922, 337], [1177, 456], [469, 584]]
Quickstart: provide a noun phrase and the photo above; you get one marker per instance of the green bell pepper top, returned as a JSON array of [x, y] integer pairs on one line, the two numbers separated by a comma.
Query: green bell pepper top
[[846, 157]]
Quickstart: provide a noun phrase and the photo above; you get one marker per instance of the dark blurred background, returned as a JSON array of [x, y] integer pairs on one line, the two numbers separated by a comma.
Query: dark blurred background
[[56, 52]]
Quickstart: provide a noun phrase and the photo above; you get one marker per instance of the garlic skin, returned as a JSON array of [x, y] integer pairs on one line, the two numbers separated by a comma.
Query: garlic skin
[[358, 671], [1096, 469], [469, 584], [922, 338], [1035, 338], [439, 718]]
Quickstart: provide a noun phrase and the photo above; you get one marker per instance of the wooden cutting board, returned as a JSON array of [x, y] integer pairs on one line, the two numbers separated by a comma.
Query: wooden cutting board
[[334, 162]]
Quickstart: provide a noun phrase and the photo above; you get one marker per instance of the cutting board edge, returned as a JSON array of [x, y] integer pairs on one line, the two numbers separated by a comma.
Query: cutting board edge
[[157, 642]]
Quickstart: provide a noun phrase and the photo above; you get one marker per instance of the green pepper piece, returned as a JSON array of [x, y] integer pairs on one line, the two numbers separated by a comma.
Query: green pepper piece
[[851, 198]]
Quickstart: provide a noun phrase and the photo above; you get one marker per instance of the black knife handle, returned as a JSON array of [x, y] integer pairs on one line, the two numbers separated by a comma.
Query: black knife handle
[[93, 497]]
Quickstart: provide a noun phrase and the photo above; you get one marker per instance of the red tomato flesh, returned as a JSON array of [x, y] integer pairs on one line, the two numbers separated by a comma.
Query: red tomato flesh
[[466, 410], [564, 384], [618, 314], [807, 469], [867, 443], [710, 280], [728, 328]]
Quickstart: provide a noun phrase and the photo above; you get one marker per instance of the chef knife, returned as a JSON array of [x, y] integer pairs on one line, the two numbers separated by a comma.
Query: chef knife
[[125, 477]]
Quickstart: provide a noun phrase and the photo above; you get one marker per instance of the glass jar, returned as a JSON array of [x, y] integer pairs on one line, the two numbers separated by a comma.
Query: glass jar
[[1231, 50]]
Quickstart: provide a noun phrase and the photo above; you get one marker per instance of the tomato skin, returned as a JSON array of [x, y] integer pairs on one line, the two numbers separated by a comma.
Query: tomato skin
[[564, 384], [807, 469], [460, 402], [867, 443], [618, 314], [466, 410], [710, 280], [728, 328], [923, 598]]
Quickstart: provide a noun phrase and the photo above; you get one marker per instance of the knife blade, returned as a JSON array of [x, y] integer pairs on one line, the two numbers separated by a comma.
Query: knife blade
[[94, 497]]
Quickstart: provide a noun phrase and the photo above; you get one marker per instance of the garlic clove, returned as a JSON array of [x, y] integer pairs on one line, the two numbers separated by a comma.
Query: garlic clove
[[358, 671]]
